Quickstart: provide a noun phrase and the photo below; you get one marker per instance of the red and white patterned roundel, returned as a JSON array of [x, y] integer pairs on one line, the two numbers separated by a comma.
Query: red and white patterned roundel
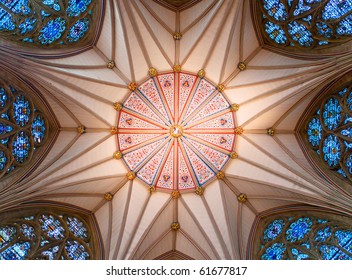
[[176, 131]]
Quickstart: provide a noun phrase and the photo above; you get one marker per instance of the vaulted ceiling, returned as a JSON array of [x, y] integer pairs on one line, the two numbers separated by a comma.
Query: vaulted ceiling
[[273, 91]]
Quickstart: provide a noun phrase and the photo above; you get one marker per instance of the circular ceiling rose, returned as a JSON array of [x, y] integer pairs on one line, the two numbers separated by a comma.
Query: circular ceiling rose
[[176, 131]]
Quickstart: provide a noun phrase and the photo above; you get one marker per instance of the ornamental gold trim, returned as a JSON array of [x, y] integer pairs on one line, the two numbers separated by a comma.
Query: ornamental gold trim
[[177, 68], [177, 36], [242, 198], [235, 107], [242, 66], [81, 129], [221, 88], [117, 155], [234, 155], [108, 196], [111, 64], [151, 189], [152, 72], [201, 73], [220, 175], [239, 130], [176, 131], [118, 106], [199, 191], [175, 194], [175, 226], [132, 86], [270, 131], [113, 130], [130, 175]]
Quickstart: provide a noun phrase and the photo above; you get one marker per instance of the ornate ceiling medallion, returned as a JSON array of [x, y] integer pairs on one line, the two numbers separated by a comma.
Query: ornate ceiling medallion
[[176, 131]]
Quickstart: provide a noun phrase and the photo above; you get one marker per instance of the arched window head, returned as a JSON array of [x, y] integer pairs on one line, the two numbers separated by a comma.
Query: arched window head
[[48, 233], [327, 132], [303, 25], [48, 23], [24, 125], [303, 235]]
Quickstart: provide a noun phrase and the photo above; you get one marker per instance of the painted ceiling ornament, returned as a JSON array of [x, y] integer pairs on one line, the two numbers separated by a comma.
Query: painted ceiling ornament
[[270, 131], [111, 64], [242, 66], [108, 196], [163, 128], [305, 24], [48, 23], [177, 36], [81, 129]]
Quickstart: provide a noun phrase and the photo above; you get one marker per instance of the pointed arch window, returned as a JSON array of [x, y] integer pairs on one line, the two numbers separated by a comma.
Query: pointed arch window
[[327, 132], [49, 23], [48, 233], [23, 128], [305, 24], [301, 235]]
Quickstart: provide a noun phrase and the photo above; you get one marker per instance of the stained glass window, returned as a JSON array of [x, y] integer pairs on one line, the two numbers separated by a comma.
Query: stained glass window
[[49, 23], [162, 126], [306, 23], [23, 128], [42, 234], [329, 133], [298, 236]]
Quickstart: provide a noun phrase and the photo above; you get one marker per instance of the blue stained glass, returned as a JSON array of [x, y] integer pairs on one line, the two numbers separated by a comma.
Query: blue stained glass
[[274, 252], [298, 255], [324, 30], [300, 33], [18, 251], [21, 147], [322, 221], [78, 30], [28, 231], [347, 132], [21, 110], [52, 226], [335, 9], [273, 230], [332, 113], [7, 234], [54, 4], [341, 172], [349, 101], [76, 7], [3, 97], [323, 234], [349, 164], [77, 227], [344, 239], [5, 128], [345, 26], [17, 6], [3, 160], [44, 14], [276, 33], [6, 21], [76, 251], [315, 131], [301, 8], [51, 253], [333, 253], [276, 9], [27, 25], [38, 129], [52, 31], [332, 150], [298, 229]]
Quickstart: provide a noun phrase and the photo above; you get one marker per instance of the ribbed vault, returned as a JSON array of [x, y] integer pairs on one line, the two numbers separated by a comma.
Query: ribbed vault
[[271, 170]]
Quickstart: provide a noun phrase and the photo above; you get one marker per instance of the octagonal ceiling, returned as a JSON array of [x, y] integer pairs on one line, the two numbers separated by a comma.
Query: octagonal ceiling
[[135, 221]]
